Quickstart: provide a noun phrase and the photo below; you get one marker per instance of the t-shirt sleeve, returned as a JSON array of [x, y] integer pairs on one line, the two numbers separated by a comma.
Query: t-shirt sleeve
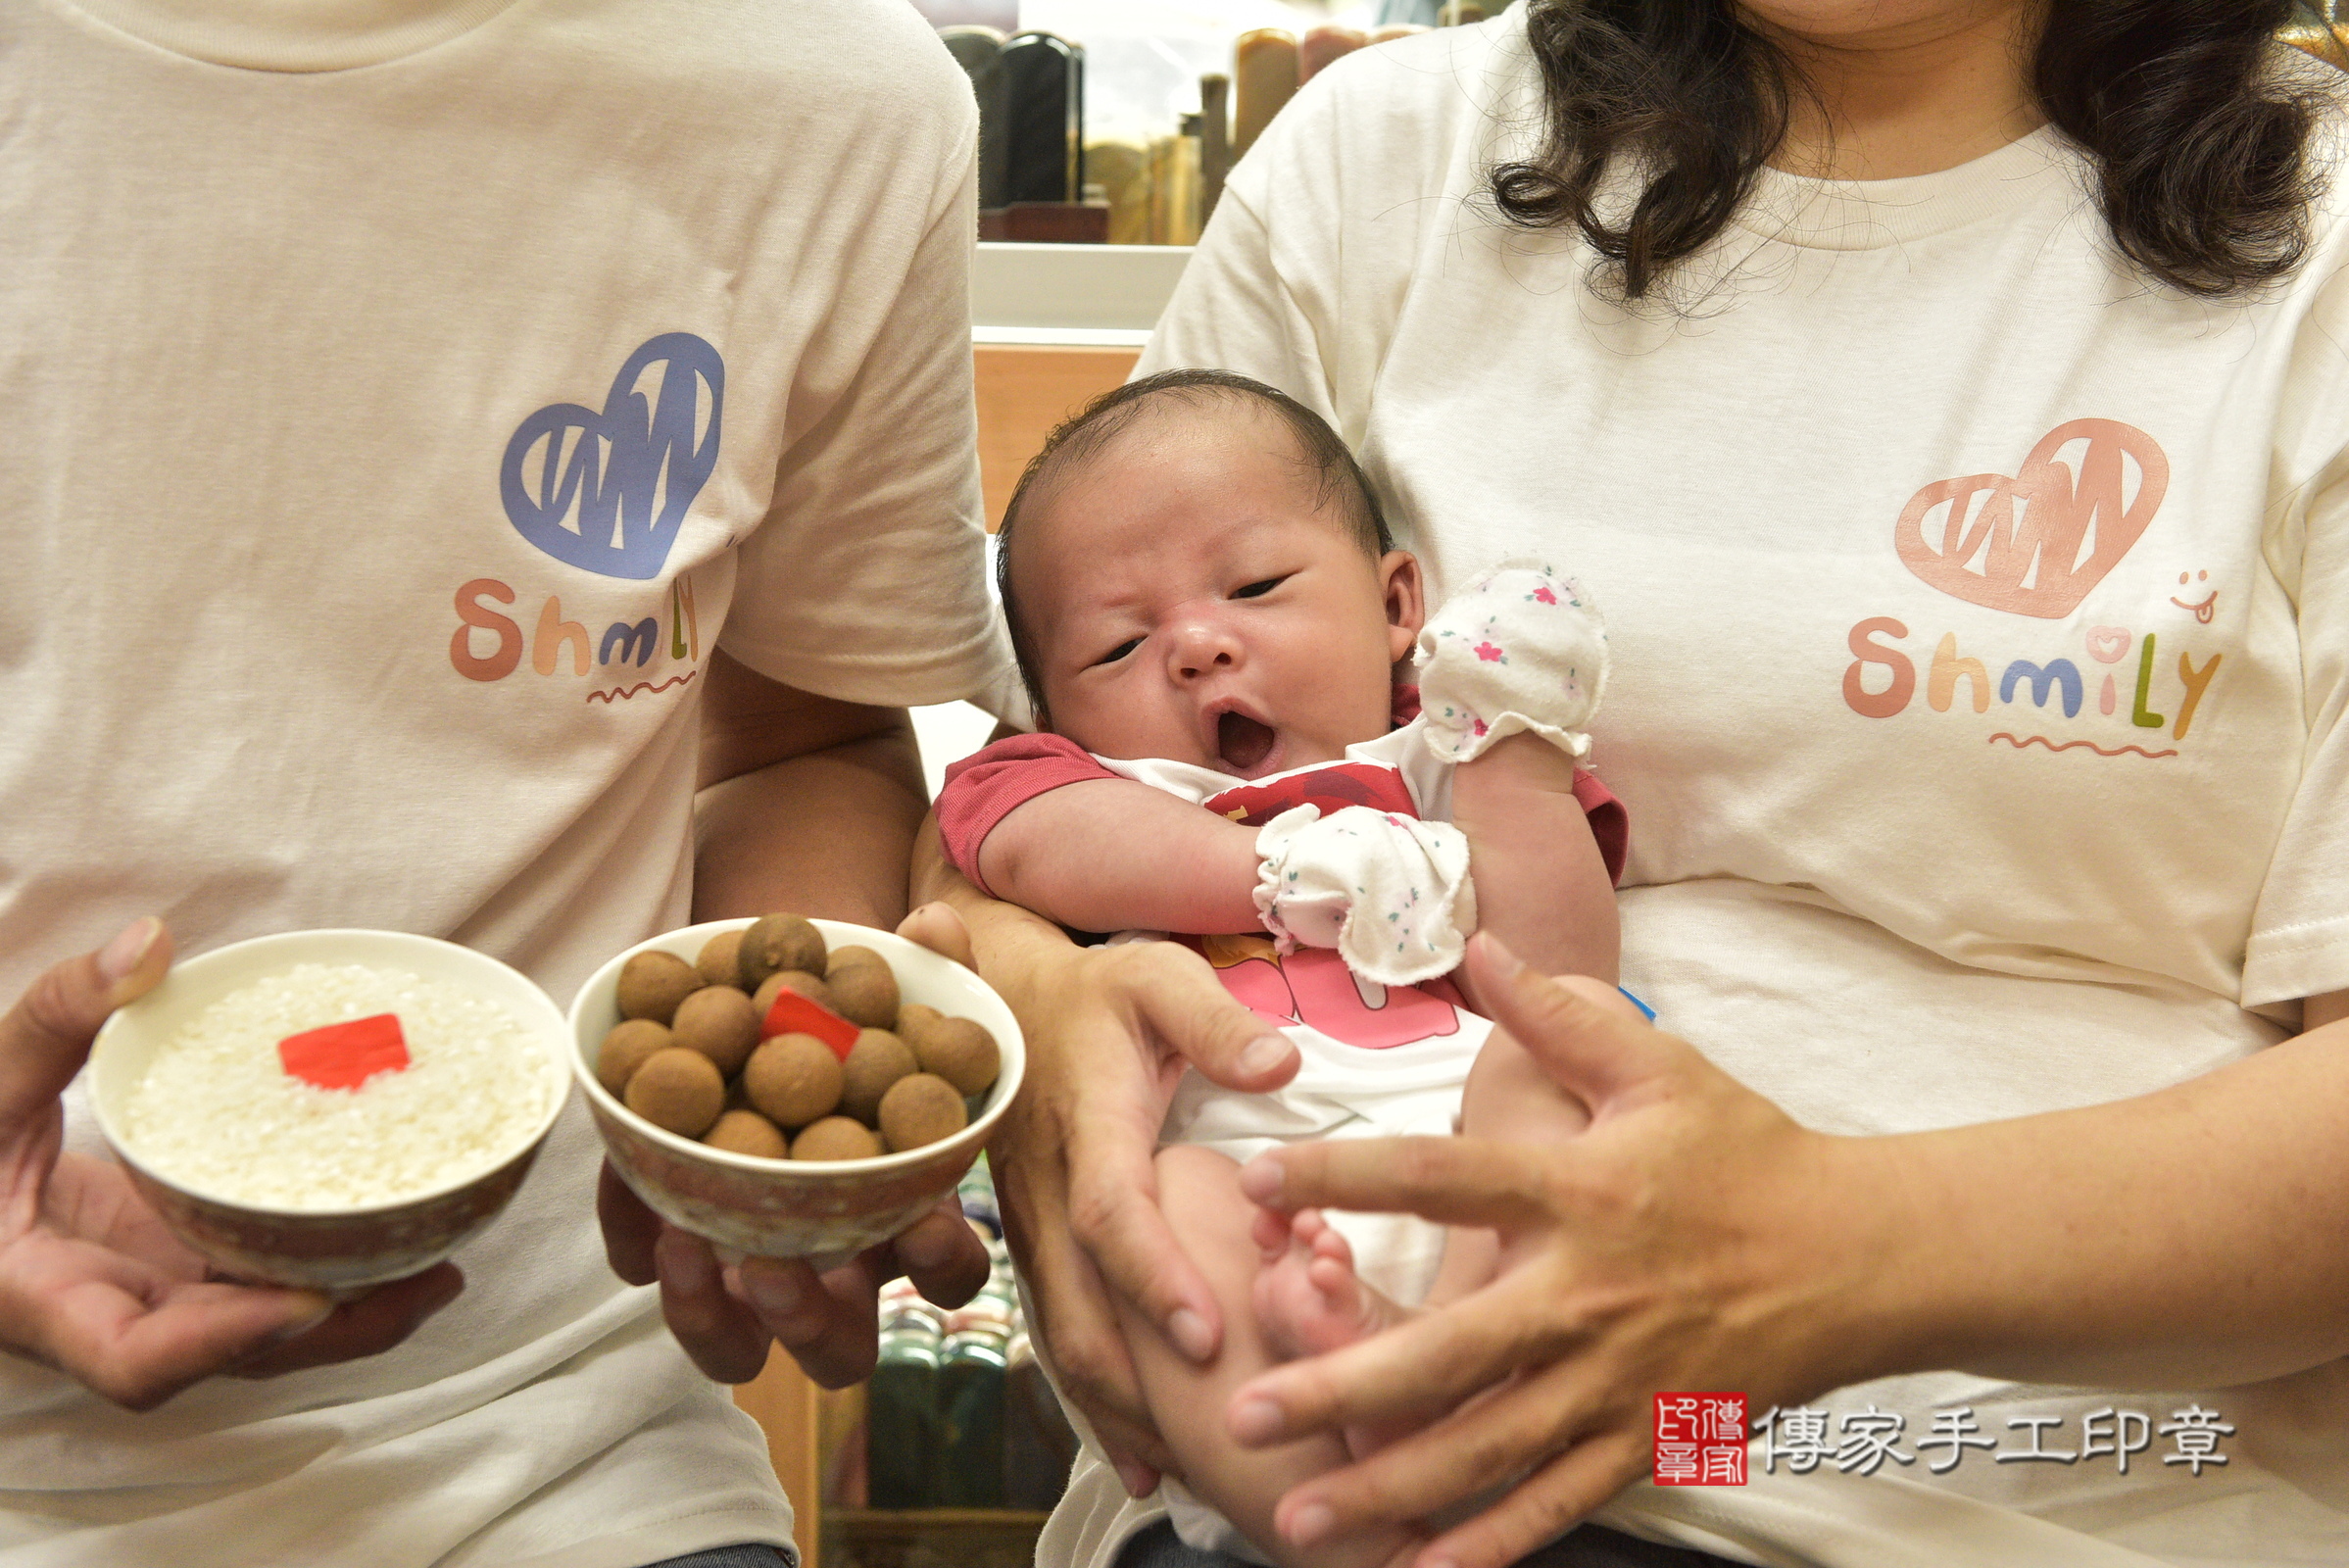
[[866, 580], [1232, 310], [2299, 942], [1299, 275], [987, 786]]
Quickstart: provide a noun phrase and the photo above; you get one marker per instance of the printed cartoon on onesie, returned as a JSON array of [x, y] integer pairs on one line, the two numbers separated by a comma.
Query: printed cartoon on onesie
[[1366, 903]]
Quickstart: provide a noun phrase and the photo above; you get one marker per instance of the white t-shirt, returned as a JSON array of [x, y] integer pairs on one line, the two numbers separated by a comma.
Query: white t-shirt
[[310, 317], [1928, 830]]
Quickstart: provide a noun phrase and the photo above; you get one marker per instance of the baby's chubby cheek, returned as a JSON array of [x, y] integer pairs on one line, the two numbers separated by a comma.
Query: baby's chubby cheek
[[1130, 730]]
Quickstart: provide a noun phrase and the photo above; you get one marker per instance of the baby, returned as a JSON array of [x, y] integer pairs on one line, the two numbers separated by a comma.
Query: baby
[[1210, 619]]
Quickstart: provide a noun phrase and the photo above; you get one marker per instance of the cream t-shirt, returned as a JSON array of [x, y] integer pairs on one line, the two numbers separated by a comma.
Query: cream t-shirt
[[1980, 617], [403, 398]]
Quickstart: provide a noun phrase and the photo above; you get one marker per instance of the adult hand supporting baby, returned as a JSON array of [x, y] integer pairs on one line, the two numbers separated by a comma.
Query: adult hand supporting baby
[[1109, 1032], [90, 1281], [1694, 1236]]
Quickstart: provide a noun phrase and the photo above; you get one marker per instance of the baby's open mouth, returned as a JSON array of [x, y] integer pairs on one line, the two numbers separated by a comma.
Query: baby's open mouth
[[1241, 742]]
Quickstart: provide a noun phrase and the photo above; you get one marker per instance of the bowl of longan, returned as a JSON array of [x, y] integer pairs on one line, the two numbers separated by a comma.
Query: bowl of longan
[[791, 1088]]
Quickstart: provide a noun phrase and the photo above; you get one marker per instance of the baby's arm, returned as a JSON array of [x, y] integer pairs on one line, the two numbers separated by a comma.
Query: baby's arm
[[1541, 884], [1112, 855]]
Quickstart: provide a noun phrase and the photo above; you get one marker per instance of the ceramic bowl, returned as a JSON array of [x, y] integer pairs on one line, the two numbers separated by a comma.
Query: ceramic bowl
[[826, 1211], [340, 1250]]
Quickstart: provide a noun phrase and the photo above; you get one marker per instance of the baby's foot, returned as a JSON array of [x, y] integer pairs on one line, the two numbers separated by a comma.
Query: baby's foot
[[1308, 1298]]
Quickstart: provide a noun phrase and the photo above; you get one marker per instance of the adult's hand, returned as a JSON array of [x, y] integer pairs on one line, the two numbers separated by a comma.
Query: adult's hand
[[1109, 1031], [726, 1316], [1693, 1237], [90, 1281]]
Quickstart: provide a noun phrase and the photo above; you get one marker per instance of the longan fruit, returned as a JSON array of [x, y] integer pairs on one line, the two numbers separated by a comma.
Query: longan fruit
[[793, 1080], [720, 1022], [850, 957], [799, 980], [920, 1109], [625, 1048], [652, 984], [958, 1050], [678, 1090], [779, 942], [877, 1061], [720, 963], [836, 1138], [865, 994], [746, 1132]]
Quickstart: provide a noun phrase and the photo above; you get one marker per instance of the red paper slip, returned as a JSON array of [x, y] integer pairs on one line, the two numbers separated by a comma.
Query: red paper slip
[[795, 1015], [344, 1055]]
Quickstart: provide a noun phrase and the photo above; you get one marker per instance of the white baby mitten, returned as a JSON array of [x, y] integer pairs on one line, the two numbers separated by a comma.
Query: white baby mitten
[[1521, 647], [1389, 893]]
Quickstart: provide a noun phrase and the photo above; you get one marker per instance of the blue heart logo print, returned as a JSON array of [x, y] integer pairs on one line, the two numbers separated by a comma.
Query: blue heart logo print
[[608, 491]]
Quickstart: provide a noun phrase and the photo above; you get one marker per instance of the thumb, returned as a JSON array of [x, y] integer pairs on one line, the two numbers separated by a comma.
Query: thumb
[[45, 1037], [1576, 1027], [1185, 1006], [938, 927]]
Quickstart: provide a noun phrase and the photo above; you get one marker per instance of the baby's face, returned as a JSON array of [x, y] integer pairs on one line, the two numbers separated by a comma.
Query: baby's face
[[1188, 597]]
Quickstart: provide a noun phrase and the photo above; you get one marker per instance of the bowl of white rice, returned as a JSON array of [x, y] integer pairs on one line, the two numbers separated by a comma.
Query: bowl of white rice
[[331, 1108], [826, 1211]]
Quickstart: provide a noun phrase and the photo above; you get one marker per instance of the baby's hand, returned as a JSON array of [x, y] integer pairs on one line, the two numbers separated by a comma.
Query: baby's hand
[[1390, 894]]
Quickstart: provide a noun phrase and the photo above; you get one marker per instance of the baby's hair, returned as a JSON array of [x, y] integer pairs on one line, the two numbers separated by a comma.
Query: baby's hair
[[1339, 478]]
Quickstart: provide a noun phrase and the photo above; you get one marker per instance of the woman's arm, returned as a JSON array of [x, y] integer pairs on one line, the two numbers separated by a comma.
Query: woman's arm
[[1114, 854], [1697, 1238]]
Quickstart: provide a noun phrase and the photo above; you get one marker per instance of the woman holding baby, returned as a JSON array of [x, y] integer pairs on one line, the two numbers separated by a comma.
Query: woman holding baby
[[1945, 401]]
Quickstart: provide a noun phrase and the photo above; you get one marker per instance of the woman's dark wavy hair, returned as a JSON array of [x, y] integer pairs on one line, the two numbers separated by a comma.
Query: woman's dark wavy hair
[[2200, 147]]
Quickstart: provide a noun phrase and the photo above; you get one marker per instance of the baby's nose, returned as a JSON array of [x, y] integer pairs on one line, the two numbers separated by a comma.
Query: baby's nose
[[1203, 646]]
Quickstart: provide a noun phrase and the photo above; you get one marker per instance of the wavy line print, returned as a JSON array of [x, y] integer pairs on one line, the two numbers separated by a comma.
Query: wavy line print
[[2042, 740], [677, 680]]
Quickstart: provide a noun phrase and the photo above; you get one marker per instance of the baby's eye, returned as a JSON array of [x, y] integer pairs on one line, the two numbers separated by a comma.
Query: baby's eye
[[1119, 652], [1256, 590]]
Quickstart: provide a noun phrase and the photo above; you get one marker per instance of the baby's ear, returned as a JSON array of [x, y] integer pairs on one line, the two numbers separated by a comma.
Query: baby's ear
[[1406, 602]]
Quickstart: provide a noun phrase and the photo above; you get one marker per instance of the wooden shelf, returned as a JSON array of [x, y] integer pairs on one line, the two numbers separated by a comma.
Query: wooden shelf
[[1024, 390], [930, 1538]]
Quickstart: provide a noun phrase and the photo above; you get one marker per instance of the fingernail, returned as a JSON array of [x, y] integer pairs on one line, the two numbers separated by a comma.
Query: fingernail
[[1261, 1179], [320, 1309], [1504, 963], [1256, 1420], [1190, 1333], [118, 958], [1265, 1054], [1310, 1524], [776, 1295], [684, 1264]]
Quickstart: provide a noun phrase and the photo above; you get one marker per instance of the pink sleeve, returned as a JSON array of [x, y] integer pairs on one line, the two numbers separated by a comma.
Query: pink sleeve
[[1610, 823], [988, 785]]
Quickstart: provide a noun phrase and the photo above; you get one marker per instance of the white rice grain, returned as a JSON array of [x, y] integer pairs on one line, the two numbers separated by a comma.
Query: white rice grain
[[216, 1111]]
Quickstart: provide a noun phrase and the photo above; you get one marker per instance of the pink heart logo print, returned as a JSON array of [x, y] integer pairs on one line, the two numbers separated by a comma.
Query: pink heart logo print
[[2034, 543]]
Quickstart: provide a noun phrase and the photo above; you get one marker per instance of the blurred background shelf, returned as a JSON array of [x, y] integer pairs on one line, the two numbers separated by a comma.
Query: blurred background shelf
[[930, 1538]]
